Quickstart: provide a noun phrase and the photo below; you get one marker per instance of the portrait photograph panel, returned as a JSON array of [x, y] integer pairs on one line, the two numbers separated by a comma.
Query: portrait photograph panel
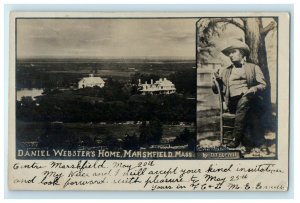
[[237, 86]]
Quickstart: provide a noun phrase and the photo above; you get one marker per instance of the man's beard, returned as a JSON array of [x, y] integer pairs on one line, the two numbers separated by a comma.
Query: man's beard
[[237, 64]]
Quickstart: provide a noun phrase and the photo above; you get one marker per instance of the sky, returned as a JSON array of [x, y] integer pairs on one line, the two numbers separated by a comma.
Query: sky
[[106, 38]]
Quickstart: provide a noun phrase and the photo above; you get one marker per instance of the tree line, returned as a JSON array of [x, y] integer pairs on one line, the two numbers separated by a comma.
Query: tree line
[[115, 102]]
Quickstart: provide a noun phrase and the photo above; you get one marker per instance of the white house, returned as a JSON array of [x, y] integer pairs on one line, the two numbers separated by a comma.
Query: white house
[[91, 81], [161, 86]]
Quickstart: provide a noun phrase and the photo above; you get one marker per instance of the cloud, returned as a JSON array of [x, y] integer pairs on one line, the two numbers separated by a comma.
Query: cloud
[[106, 37]]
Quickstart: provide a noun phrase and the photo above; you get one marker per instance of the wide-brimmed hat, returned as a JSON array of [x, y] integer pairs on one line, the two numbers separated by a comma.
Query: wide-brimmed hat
[[236, 44]]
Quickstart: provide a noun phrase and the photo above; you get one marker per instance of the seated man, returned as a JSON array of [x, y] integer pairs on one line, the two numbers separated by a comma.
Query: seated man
[[241, 84]]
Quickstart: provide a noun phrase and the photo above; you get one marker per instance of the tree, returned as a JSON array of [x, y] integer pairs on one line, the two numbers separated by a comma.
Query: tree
[[56, 136], [131, 142], [156, 130], [184, 86], [144, 77], [150, 134], [186, 138], [111, 142], [144, 134], [254, 33]]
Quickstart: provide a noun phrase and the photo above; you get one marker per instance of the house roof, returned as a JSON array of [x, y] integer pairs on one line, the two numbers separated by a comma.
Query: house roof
[[92, 80], [164, 82], [167, 84]]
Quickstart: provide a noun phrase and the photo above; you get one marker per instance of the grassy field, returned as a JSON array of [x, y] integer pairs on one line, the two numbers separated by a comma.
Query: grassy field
[[30, 131]]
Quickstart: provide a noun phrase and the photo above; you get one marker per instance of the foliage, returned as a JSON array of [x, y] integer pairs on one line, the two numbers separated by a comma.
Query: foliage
[[111, 142], [56, 136], [151, 133], [184, 138], [185, 81], [111, 104], [131, 142]]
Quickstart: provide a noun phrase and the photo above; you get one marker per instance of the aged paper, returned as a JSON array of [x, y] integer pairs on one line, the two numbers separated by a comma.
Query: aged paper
[[149, 101]]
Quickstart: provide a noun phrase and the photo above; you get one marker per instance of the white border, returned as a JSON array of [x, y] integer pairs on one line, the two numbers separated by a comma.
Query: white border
[[88, 1]]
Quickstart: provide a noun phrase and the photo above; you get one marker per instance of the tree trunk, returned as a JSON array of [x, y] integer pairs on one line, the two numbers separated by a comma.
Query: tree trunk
[[256, 43], [258, 54]]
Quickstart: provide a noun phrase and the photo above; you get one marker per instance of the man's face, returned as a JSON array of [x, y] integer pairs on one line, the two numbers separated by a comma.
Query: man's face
[[235, 55]]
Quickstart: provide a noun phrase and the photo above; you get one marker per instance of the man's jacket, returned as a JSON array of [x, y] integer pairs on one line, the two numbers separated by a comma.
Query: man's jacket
[[254, 76]]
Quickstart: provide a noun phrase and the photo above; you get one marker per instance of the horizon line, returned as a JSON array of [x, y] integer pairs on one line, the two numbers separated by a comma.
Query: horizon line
[[107, 58]]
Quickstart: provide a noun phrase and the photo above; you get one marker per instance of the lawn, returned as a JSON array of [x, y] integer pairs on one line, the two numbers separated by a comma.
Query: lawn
[[30, 131]]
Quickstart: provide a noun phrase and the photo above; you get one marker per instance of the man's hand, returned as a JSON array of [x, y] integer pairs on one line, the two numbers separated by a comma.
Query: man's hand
[[216, 76], [250, 92], [225, 108]]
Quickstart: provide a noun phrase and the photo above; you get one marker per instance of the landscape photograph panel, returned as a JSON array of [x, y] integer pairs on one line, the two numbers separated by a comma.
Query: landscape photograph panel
[[90, 85]]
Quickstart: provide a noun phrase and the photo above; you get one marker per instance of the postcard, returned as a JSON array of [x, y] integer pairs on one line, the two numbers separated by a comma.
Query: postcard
[[149, 101]]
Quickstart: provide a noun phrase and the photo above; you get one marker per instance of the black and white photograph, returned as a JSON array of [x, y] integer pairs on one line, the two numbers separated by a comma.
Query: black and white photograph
[[237, 87], [97, 88], [149, 101]]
